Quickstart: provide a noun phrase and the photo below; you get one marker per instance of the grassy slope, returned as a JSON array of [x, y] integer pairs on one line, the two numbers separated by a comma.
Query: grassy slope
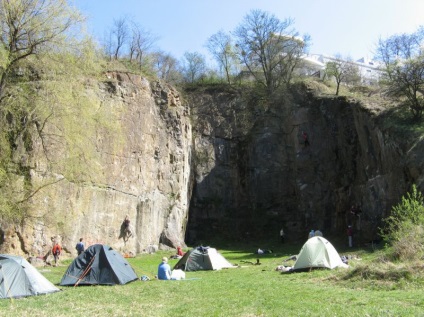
[[251, 290]]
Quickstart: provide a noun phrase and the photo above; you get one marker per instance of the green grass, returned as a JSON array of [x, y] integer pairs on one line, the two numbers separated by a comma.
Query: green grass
[[251, 290]]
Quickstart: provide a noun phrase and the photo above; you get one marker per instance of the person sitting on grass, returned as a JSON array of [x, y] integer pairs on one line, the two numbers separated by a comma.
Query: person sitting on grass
[[164, 270], [180, 251]]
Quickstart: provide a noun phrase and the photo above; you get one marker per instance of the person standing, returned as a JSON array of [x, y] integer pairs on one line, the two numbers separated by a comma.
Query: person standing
[[282, 235], [305, 138], [80, 246], [350, 236], [164, 270], [311, 234], [318, 233], [57, 250]]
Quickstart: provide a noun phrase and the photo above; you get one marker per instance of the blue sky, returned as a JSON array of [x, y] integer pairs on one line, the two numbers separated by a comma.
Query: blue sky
[[347, 27]]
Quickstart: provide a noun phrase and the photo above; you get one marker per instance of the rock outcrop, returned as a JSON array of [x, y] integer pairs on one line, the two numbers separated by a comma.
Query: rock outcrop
[[254, 178], [243, 173], [146, 176]]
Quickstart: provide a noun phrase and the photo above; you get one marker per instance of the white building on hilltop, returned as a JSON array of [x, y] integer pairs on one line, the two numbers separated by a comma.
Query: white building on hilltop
[[369, 70]]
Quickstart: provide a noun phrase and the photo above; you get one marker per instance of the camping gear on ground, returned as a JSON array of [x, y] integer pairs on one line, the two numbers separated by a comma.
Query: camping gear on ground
[[144, 278], [18, 278], [177, 275], [318, 252], [99, 264], [202, 258]]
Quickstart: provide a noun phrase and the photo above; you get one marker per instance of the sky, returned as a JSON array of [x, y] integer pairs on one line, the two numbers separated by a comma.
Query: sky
[[350, 28]]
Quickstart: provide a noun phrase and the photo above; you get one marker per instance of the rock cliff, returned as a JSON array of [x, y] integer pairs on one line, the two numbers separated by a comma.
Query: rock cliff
[[254, 175], [147, 177], [222, 163]]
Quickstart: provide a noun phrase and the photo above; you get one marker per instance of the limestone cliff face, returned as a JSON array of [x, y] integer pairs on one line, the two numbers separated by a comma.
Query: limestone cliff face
[[253, 178], [146, 176], [243, 173]]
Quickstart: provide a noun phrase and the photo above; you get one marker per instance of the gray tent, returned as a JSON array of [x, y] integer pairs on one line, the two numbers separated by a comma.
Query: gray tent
[[99, 264], [318, 252], [18, 278], [202, 258]]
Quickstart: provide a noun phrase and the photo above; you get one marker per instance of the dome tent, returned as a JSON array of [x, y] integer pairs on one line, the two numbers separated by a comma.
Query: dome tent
[[18, 278], [99, 265], [318, 252], [202, 258]]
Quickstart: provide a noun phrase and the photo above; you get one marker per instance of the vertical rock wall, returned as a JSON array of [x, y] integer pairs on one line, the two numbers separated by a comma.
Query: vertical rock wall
[[145, 175], [252, 171], [252, 179]]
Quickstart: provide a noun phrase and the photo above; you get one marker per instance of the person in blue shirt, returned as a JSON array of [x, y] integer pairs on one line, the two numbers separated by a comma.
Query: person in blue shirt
[[164, 270], [80, 247]]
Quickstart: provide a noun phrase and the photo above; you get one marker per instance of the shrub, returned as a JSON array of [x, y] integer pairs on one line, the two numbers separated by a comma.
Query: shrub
[[410, 243], [404, 227]]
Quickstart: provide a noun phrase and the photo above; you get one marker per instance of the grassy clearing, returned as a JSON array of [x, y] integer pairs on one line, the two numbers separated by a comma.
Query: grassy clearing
[[370, 287]]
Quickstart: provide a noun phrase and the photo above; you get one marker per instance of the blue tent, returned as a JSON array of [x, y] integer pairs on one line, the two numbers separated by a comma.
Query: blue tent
[[99, 265]]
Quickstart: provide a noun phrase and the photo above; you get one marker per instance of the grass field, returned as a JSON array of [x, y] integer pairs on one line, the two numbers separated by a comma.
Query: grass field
[[367, 288]]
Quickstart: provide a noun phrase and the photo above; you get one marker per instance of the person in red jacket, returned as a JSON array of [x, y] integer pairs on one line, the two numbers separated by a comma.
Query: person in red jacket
[[57, 249], [180, 251]]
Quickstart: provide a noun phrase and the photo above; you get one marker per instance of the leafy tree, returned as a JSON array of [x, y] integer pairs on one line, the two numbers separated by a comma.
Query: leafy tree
[[43, 104], [221, 48], [403, 59], [343, 70], [269, 48], [194, 67], [28, 27]]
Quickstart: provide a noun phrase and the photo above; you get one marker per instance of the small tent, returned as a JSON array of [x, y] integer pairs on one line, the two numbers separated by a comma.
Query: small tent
[[18, 278], [99, 264], [318, 252], [202, 258]]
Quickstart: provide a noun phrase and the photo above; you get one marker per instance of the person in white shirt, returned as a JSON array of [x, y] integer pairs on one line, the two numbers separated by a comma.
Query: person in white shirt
[[282, 235]]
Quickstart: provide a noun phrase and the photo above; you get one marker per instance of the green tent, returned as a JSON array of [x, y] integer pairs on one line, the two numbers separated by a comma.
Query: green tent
[[99, 265], [18, 278], [202, 258], [318, 252]]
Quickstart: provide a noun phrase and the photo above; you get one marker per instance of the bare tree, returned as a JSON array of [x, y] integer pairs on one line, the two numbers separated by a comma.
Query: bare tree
[[119, 36], [194, 66], [221, 48], [141, 42], [108, 44], [269, 48], [29, 26], [343, 70], [166, 66], [403, 58]]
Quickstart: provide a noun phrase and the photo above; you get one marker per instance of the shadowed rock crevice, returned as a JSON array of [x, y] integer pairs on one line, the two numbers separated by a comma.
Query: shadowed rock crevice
[[253, 178]]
